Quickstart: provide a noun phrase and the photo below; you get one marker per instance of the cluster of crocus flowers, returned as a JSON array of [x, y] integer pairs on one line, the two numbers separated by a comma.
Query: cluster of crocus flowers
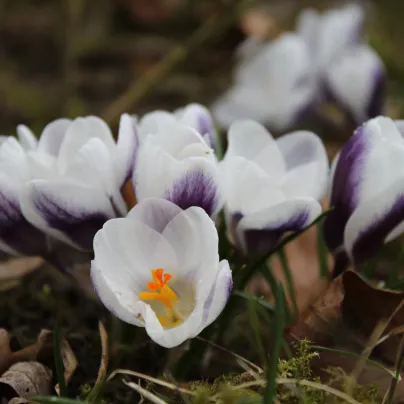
[[156, 264], [290, 79]]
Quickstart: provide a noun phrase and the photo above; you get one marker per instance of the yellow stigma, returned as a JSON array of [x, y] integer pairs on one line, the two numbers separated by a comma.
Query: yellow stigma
[[159, 291]]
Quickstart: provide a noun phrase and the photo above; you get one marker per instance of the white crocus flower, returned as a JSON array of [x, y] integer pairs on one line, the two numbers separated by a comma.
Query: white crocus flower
[[77, 172], [271, 186], [331, 33], [356, 82], [194, 115], [17, 235], [159, 268], [177, 164], [275, 87]]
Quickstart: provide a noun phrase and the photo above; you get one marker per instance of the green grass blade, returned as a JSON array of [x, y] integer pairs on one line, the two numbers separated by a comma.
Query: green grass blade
[[255, 325], [279, 325], [322, 250], [58, 358], [289, 278]]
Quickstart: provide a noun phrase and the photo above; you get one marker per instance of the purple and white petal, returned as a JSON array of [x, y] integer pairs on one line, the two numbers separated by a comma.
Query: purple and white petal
[[259, 232], [127, 144], [356, 80], [198, 117], [68, 211], [52, 136]]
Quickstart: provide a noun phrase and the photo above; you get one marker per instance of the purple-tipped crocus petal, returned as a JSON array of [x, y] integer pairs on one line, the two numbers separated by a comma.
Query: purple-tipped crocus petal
[[127, 144], [199, 117], [155, 213], [195, 188], [219, 294], [375, 222], [52, 136], [67, 211], [17, 236], [261, 231], [345, 187]]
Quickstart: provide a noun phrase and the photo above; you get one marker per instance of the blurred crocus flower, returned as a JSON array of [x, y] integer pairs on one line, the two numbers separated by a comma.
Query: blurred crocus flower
[[194, 115], [176, 163], [356, 81], [367, 191], [159, 268], [271, 186], [275, 87], [330, 34], [77, 172], [349, 72], [17, 235]]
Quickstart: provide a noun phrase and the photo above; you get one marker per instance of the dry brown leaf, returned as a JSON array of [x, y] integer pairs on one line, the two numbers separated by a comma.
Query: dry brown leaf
[[365, 306], [318, 322], [14, 269], [20, 400], [69, 362], [26, 379]]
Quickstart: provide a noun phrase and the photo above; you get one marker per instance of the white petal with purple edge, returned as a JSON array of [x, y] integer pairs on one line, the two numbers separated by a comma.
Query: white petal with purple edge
[[68, 211], [375, 222]]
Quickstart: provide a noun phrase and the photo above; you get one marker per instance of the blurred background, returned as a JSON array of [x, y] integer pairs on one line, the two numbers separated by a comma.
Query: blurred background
[[76, 57]]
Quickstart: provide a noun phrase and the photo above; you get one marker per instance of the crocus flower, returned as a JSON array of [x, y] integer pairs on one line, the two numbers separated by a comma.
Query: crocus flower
[[194, 115], [331, 33], [159, 268], [177, 164], [356, 82], [77, 172], [275, 87], [271, 186], [17, 235], [367, 191]]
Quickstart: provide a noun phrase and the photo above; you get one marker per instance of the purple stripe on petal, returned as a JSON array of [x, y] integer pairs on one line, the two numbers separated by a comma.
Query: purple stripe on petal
[[262, 241], [376, 102], [79, 227], [196, 188], [16, 232], [205, 126], [345, 186], [372, 238]]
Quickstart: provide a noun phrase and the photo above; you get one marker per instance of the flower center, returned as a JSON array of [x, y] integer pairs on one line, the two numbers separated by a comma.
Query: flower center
[[159, 291]]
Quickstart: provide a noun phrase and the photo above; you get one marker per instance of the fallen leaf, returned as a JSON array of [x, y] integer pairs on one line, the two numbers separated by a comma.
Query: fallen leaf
[[365, 306], [317, 324], [14, 269], [69, 362], [20, 400], [26, 379]]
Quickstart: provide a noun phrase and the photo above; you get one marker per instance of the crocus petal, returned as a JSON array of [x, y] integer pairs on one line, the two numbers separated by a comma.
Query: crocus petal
[[219, 294], [127, 145], [356, 81], [197, 116], [197, 187], [367, 158], [26, 137], [80, 131], [154, 122], [65, 210], [193, 236], [306, 163], [17, 236], [155, 213], [376, 221], [126, 251], [171, 337], [121, 304], [252, 141], [52, 136], [259, 232]]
